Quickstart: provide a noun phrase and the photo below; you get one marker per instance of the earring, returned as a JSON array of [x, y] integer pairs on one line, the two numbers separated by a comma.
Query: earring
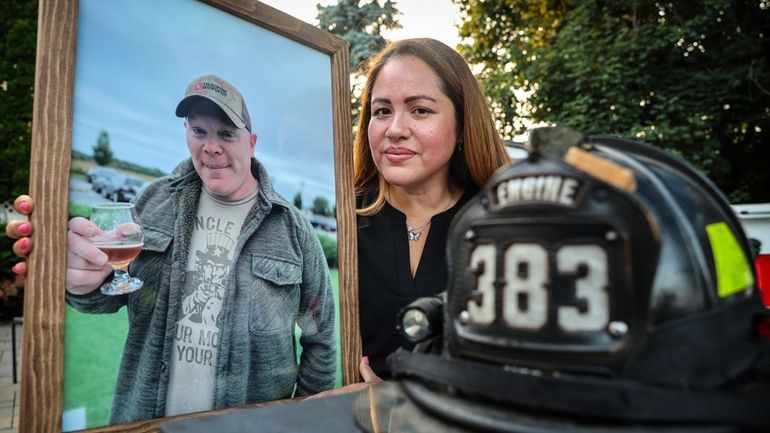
[[460, 145]]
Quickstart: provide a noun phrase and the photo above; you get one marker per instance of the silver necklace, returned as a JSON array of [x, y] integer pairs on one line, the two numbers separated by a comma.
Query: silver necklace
[[414, 234]]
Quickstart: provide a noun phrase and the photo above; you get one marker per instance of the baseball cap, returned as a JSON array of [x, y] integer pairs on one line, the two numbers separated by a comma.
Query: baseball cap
[[220, 92]]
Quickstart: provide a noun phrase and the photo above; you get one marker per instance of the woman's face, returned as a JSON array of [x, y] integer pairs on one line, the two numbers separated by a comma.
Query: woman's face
[[413, 131]]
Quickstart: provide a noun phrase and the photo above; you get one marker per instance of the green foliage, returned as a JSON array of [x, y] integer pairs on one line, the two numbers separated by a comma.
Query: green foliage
[[102, 150], [361, 24], [18, 24], [329, 246], [79, 209], [11, 288], [136, 168], [690, 77], [120, 164], [321, 206], [298, 200]]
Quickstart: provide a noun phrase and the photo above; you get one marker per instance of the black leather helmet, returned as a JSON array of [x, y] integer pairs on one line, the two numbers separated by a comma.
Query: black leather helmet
[[603, 278]]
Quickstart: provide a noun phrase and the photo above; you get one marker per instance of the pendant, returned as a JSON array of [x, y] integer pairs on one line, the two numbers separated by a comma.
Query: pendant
[[413, 235]]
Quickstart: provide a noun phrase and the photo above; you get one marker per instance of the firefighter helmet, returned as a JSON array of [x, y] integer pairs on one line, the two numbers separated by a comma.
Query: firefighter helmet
[[603, 278]]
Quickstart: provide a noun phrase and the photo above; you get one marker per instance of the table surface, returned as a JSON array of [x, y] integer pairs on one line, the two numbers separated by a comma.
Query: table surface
[[329, 414]]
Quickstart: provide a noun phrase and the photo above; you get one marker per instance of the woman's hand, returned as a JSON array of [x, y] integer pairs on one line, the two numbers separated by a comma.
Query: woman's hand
[[22, 231], [367, 373], [86, 265]]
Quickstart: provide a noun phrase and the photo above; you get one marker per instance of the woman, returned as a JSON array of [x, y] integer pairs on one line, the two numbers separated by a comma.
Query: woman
[[426, 143]]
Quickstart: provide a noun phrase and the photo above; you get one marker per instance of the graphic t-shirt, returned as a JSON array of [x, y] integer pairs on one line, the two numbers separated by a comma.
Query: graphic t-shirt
[[196, 341]]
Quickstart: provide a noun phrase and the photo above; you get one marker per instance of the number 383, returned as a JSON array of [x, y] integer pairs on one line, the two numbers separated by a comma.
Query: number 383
[[526, 280]]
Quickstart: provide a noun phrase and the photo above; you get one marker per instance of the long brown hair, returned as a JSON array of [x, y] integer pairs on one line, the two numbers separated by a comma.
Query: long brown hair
[[483, 148]]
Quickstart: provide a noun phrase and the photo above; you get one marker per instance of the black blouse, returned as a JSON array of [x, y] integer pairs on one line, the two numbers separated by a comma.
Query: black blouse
[[385, 283]]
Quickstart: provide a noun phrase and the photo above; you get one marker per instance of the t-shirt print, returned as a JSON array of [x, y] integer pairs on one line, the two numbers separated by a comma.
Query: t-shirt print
[[199, 319], [207, 280], [197, 331]]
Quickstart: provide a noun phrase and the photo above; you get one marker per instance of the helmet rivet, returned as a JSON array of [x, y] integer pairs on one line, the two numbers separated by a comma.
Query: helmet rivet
[[464, 317], [611, 235], [617, 328], [470, 235]]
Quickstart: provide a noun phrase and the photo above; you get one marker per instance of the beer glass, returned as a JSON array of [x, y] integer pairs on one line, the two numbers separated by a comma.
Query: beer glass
[[120, 237]]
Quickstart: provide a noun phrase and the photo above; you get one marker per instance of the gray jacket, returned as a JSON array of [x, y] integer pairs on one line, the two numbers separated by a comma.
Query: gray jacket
[[280, 278]]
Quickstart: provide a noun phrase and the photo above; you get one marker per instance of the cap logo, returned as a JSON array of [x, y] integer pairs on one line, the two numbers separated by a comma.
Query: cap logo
[[205, 85], [222, 94], [549, 189]]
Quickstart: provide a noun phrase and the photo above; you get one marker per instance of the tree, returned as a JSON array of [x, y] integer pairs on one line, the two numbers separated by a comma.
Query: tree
[[298, 200], [320, 206], [18, 38], [18, 24], [690, 77], [102, 151], [362, 25]]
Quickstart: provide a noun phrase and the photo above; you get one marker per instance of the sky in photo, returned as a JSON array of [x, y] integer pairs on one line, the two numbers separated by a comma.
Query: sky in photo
[[135, 58]]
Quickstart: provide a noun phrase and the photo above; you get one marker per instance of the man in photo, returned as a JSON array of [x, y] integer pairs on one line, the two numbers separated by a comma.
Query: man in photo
[[229, 267]]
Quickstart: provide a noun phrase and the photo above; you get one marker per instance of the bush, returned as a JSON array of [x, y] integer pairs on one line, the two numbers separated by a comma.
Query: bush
[[11, 286], [329, 246], [79, 209]]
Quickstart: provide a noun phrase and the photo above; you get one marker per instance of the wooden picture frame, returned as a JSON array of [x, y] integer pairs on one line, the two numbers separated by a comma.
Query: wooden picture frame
[[42, 378]]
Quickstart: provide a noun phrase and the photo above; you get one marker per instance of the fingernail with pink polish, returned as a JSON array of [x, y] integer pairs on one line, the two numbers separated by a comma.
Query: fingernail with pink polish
[[24, 244], [24, 228], [15, 268], [24, 207], [366, 360]]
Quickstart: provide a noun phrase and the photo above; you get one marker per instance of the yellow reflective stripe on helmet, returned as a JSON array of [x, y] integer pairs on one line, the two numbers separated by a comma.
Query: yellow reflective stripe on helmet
[[732, 266]]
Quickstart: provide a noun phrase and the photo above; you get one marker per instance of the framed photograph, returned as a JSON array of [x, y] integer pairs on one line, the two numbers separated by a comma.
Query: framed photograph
[[109, 76]]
